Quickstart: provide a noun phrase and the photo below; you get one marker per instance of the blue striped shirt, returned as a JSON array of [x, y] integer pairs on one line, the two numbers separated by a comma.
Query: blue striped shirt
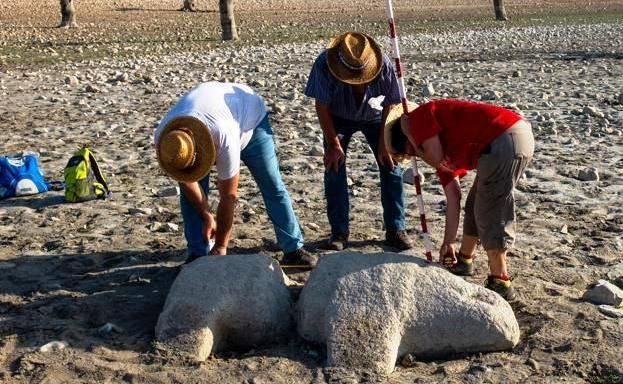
[[338, 96]]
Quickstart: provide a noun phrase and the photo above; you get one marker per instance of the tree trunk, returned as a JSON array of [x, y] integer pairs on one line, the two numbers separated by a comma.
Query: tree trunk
[[68, 14], [189, 6], [228, 24], [500, 12]]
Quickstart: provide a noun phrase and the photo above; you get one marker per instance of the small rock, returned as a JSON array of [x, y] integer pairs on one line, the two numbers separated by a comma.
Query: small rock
[[516, 73], [71, 80], [169, 191], [604, 292], [408, 361], [155, 226], [479, 369], [122, 77], [279, 108], [589, 174], [534, 364], [491, 95], [610, 311], [313, 226], [428, 90], [616, 272], [92, 89], [171, 227], [259, 380], [140, 211], [592, 111], [259, 83], [107, 328], [453, 367], [53, 346], [564, 230], [316, 150]]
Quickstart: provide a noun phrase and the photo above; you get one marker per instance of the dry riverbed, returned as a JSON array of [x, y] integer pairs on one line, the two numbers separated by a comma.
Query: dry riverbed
[[94, 276]]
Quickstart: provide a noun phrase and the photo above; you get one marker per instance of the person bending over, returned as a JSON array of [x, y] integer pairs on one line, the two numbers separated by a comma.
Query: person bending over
[[454, 136]]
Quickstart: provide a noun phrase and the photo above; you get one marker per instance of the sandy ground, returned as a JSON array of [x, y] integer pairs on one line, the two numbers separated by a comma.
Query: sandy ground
[[67, 270]]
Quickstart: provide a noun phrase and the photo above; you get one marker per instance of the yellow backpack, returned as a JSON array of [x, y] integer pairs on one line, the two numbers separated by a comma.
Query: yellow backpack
[[83, 178]]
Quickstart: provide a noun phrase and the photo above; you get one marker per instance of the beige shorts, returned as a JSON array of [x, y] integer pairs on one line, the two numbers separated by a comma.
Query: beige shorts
[[490, 205]]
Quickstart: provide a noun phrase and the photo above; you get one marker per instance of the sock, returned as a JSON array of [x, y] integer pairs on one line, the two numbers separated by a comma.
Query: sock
[[503, 279], [467, 259]]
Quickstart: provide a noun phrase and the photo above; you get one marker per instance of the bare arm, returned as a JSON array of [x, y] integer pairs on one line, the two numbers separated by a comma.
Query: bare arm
[[194, 194], [430, 150], [334, 154], [228, 193], [452, 191], [453, 208], [326, 123], [433, 151]]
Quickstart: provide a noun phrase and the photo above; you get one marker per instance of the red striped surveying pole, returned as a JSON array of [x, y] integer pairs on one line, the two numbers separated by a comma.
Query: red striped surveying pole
[[403, 96]]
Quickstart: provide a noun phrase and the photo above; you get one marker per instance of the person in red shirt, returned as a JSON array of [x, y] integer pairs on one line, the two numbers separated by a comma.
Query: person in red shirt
[[454, 136]]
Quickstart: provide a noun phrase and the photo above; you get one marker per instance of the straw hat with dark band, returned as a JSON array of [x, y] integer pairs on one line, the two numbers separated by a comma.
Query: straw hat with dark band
[[185, 149], [395, 138], [354, 58]]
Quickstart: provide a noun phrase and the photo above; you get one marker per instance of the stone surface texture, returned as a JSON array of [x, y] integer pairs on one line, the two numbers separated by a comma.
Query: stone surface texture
[[370, 309], [232, 302]]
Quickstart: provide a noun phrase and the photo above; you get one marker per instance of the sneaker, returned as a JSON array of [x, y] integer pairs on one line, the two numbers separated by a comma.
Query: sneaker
[[398, 240], [338, 242], [299, 259], [464, 265], [502, 287]]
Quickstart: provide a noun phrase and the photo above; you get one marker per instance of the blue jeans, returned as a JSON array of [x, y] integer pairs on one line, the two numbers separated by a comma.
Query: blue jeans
[[260, 157], [336, 189]]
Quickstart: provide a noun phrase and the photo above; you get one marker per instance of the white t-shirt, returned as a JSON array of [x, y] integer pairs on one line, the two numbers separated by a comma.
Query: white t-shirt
[[230, 112]]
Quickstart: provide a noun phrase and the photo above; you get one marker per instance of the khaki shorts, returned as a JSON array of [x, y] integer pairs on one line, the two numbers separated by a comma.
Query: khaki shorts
[[490, 205]]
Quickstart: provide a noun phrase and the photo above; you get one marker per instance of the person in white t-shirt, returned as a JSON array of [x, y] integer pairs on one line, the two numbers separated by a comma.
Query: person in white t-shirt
[[222, 124]]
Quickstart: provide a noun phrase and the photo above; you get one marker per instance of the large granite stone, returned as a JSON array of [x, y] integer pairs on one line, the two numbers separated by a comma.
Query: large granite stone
[[370, 309], [225, 302]]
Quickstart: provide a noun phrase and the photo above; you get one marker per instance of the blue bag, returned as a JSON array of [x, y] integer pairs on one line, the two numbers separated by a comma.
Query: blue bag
[[20, 176]]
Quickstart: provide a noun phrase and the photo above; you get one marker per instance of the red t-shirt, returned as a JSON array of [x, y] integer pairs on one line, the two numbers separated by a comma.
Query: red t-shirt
[[465, 128]]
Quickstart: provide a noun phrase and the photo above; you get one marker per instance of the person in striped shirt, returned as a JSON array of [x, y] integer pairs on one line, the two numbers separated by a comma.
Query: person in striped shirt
[[354, 86]]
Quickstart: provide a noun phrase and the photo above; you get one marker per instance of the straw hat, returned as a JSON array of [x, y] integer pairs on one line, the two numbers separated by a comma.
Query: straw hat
[[395, 138], [354, 58], [185, 149]]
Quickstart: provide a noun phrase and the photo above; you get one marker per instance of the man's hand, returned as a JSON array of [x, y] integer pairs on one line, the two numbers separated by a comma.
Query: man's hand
[[333, 154], [385, 159], [209, 227], [333, 157], [447, 255]]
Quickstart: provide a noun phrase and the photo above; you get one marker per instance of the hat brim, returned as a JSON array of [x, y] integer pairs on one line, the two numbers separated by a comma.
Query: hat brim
[[391, 123], [349, 76], [204, 148]]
